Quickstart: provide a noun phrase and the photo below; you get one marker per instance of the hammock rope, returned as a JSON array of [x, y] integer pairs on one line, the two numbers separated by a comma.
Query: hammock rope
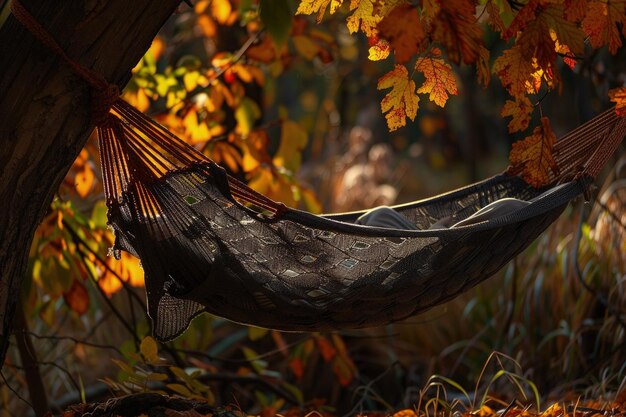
[[208, 242]]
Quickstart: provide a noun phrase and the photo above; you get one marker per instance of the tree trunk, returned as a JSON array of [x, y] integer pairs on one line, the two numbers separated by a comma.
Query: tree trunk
[[44, 111]]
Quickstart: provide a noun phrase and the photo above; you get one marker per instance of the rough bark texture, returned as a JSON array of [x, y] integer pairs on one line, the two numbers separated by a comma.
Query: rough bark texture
[[44, 111]]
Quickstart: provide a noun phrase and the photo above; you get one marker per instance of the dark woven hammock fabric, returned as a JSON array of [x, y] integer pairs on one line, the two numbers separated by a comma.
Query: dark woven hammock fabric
[[207, 242]]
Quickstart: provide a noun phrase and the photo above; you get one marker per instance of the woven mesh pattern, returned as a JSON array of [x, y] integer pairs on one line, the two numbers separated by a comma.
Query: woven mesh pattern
[[203, 251]]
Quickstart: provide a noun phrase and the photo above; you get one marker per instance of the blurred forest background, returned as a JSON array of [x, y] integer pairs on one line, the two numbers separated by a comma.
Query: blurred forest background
[[291, 106]]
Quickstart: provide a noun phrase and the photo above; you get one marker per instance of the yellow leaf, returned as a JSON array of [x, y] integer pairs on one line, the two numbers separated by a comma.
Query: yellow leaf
[[520, 110], [532, 157], [221, 9], [149, 350], [319, 7], [379, 51], [402, 101], [440, 80], [196, 130], [363, 17], [293, 139]]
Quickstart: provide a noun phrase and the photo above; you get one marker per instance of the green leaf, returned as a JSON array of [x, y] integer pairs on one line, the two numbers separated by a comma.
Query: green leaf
[[276, 15]]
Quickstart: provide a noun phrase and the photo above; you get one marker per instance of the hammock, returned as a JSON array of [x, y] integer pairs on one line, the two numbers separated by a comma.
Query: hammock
[[209, 243]]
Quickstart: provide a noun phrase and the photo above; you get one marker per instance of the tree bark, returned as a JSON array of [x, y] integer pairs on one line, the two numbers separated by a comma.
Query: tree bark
[[44, 111]]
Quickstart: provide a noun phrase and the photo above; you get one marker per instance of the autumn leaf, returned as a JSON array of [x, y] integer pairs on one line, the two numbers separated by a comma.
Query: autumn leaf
[[532, 159], [197, 131], [293, 139], [84, 179], [379, 50], [521, 112], [538, 27], [403, 29], [455, 27], [440, 81], [221, 10], [402, 101], [363, 17], [575, 10], [515, 72], [128, 269], [150, 350], [618, 96], [319, 7], [77, 297], [601, 23]]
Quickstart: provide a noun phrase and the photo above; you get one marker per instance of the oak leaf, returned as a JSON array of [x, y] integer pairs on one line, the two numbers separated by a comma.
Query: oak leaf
[[520, 110], [618, 96], [319, 7], [532, 158], [440, 81], [403, 29], [402, 101], [601, 23]]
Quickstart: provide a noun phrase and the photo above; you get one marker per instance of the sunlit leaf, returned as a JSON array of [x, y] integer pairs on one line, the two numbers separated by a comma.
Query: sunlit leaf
[[319, 7], [440, 81], [402, 101], [618, 96]]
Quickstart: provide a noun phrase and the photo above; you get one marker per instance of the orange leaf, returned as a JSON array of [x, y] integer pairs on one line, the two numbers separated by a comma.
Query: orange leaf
[[297, 368], [403, 28], [520, 110], [455, 27], [326, 348], [319, 7], [439, 81], [532, 157], [77, 297], [601, 23], [402, 101], [515, 71], [221, 11], [575, 10], [127, 269], [84, 181], [618, 96]]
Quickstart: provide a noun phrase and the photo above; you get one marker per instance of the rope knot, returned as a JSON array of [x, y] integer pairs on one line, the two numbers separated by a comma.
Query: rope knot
[[101, 102]]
